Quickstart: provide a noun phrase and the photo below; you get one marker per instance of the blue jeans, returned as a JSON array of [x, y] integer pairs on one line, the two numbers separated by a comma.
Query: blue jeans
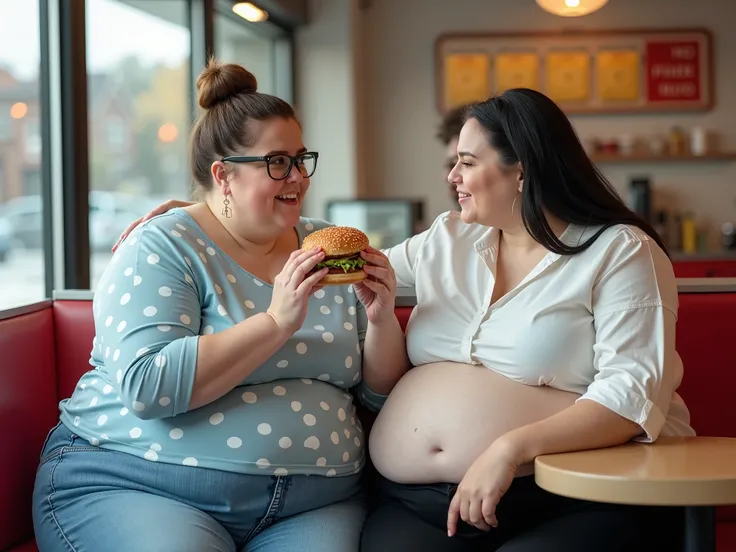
[[88, 499]]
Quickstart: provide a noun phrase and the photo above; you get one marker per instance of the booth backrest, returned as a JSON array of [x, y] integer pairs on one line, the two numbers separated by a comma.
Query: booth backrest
[[706, 325], [28, 409], [74, 329], [43, 354]]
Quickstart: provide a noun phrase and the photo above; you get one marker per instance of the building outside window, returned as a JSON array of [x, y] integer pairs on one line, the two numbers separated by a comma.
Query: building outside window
[[21, 238]]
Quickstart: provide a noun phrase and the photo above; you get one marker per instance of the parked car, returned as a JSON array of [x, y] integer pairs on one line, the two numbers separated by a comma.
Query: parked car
[[110, 213], [25, 217]]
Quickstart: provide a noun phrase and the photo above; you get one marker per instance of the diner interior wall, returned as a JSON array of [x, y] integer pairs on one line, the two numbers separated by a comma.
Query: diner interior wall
[[366, 92]]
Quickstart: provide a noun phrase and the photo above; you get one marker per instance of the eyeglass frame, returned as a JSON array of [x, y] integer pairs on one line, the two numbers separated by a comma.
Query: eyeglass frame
[[293, 159]]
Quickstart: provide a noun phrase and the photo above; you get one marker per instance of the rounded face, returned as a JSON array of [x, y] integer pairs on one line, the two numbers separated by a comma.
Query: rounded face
[[486, 187], [258, 200]]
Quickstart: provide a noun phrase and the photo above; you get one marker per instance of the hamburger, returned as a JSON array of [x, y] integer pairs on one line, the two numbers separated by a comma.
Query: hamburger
[[342, 246]]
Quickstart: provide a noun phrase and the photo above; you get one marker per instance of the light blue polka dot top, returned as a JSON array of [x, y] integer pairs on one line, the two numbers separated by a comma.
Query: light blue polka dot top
[[167, 284]]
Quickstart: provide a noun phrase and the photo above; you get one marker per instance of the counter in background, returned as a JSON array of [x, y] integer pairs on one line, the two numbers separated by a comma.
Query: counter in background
[[721, 264]]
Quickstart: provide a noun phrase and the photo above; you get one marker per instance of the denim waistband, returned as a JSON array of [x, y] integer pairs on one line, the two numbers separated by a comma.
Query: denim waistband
[[230, 495]]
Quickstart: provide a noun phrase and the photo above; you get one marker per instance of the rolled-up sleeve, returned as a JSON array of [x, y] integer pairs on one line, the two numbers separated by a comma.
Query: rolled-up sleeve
[[634, 307]]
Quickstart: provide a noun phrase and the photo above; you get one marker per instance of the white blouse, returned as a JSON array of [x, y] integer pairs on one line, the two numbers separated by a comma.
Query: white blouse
[[600, 323]]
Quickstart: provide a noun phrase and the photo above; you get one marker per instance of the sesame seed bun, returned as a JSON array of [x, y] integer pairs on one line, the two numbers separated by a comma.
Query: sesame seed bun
[[338, 242]]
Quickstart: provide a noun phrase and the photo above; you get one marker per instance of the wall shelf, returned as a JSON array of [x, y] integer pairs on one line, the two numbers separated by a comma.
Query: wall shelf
[[723, 156]]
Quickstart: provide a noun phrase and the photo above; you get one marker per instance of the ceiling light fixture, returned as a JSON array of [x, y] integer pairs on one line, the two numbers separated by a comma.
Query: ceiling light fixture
[[571, 8], [250, 12]]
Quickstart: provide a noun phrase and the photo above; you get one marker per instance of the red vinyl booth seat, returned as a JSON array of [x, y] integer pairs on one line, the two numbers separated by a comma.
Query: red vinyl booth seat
[[44, 352]]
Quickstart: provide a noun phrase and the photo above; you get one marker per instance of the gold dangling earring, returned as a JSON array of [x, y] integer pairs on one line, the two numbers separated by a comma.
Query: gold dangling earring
[[513, 207], [226, 211]]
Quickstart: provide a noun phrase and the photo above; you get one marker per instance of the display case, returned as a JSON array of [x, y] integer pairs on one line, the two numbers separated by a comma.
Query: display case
[[386, 222]]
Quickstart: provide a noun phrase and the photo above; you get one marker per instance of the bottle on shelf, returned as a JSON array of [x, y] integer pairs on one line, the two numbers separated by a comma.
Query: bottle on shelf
[[640, 197], [676, 144], [661, 225], [689, 234], [676, 233], [699, 141]]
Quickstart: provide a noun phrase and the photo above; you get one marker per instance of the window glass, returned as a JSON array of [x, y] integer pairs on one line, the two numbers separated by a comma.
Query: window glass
[[21, 235], [236, 41], [139, 116]]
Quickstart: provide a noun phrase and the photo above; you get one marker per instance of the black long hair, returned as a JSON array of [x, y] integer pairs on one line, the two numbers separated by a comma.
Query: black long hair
[[526, 126]]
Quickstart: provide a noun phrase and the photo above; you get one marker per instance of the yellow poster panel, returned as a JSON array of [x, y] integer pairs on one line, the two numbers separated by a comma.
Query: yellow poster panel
[[617, 74], [568, 76], [467, 78], [516, 70]]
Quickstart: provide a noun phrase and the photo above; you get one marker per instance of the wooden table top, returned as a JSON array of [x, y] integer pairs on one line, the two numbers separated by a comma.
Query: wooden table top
[[676, 471]]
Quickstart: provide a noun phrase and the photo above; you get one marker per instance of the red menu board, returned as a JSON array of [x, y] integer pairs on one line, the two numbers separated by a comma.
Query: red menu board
[[584, 71], [673, 71]]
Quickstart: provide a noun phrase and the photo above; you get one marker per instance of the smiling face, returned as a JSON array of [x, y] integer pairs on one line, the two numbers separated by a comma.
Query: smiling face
[[450, 162], [486, 187], [256, 199]]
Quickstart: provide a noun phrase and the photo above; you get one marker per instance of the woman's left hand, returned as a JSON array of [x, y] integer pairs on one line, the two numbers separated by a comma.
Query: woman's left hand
[[378, 291], [480, 491]]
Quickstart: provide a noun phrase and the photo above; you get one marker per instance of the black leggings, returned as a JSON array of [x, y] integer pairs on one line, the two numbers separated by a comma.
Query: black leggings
[[410, 518]]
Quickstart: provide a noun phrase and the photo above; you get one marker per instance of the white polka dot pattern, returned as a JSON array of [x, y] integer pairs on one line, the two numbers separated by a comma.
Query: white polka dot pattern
[[161, 295]]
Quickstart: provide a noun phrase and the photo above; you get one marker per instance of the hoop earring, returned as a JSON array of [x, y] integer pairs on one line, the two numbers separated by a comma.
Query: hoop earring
[[226, 211], [513, 207]]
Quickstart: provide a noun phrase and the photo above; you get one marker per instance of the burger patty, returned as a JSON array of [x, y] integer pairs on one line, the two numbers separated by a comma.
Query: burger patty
[[341, 271], [336, 270], [328, 257]]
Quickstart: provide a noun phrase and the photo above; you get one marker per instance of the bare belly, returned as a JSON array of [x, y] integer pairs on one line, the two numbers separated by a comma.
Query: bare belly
[[440, 417]]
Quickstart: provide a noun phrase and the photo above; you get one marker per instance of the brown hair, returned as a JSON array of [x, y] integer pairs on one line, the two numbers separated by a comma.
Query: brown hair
[[452, 123], [228, 95]]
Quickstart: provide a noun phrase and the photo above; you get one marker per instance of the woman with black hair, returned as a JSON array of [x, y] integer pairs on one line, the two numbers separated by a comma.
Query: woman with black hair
[[545, 322]]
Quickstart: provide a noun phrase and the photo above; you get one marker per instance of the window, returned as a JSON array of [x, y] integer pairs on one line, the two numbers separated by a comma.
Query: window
[[262, 48], [5, 122], [115, 129], [21, 235], [33, 140], [139, 114]]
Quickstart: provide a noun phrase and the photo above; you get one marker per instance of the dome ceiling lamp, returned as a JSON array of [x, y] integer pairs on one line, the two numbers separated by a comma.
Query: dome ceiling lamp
[[571, 8]]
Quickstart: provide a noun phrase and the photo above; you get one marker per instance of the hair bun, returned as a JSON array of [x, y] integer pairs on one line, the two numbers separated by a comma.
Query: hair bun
[[221, 81]]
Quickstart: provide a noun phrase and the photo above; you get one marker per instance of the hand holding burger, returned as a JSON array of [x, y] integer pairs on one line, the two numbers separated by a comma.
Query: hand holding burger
[[350, 259], [342, 247]]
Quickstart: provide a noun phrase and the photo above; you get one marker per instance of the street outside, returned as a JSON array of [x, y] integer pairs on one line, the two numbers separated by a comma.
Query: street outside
[[22, 276]]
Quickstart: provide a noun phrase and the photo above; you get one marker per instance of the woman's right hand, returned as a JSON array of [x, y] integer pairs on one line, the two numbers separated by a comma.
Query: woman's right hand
[[292, 288]]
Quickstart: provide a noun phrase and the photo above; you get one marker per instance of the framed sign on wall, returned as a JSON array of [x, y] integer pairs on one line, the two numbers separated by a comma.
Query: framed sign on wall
[[583, 71]]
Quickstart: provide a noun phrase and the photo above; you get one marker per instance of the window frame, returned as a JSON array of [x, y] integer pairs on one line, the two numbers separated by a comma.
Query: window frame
[[281, 35], [63, 122]]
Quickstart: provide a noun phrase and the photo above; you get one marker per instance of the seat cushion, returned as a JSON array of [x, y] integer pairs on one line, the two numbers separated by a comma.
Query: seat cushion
[[726, 536], [704, 342], [74, 328], [403, 314], [27, 546], [28, 409]]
